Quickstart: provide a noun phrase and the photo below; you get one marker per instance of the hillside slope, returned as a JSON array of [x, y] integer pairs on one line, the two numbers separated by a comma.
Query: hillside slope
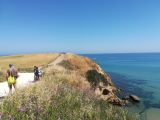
[[70, 89], [86, 74]]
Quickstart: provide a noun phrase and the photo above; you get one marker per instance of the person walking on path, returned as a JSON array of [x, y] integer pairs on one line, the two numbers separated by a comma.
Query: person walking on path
[[11, 76], [36, 73]]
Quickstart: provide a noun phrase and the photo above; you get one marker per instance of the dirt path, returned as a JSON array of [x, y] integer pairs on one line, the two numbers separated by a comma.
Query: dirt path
[[23, 80], [58, 60], [55, 64]]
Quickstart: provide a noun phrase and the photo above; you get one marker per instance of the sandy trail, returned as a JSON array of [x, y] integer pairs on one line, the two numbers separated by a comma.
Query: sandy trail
[[58, 60], [55, 63], [23, 80]]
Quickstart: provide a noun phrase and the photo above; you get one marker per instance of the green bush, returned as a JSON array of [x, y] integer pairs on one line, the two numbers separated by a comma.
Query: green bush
[[66, 64]]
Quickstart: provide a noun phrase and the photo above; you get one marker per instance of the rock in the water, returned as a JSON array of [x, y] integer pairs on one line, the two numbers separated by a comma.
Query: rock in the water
[[134, 98]]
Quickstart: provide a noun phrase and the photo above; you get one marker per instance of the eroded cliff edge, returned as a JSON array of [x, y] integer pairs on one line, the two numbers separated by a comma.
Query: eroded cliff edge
[[84, 74]]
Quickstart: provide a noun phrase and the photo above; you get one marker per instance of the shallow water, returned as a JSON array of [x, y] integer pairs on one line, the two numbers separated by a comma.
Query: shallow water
[[136, 74]]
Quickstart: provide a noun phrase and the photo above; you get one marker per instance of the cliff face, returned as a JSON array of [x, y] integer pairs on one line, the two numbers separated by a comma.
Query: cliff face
[[85, 74]]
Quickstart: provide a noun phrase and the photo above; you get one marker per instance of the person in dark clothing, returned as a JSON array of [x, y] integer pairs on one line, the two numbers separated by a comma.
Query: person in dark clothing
[[11, 76], [36, 73]]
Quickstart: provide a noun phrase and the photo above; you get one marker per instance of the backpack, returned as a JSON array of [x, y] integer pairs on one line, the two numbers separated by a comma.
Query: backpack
[[39, 72], [11, 79]]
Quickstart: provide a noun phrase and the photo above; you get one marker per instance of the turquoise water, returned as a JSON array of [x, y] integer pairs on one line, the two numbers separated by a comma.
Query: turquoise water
[[136, 73]]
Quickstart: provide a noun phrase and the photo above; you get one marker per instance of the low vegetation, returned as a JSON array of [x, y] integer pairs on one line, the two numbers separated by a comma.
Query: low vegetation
[[66, 64], [62, 94], [55, 99]]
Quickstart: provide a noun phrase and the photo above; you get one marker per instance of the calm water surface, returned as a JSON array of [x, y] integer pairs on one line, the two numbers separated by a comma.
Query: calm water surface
[[135, 73]]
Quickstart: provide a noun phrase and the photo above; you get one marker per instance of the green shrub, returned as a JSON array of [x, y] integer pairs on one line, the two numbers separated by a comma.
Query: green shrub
[[66, 64]]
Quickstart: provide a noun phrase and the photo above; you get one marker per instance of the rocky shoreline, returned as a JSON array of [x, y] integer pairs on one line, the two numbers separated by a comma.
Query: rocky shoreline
[[91, 74]]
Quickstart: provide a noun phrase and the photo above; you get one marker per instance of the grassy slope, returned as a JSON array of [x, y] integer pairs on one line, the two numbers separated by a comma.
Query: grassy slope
[[54, 99], [57, 96], [24, 62]]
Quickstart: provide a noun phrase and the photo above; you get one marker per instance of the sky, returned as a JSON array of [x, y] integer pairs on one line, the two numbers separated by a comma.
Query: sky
[[79, 26]]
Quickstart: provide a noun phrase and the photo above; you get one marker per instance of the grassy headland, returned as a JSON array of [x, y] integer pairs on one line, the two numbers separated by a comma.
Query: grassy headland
[[65, 92]]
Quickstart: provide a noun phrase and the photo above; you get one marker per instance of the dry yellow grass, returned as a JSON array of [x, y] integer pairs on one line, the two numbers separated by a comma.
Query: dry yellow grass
[[26, 61], [54, 99], [61, 95], [80, 63]]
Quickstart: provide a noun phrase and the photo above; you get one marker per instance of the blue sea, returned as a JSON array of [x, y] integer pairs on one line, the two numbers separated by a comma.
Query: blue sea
[[135, 73]]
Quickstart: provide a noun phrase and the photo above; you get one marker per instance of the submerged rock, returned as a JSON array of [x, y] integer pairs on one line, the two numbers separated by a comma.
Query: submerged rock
[[152, 114]]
